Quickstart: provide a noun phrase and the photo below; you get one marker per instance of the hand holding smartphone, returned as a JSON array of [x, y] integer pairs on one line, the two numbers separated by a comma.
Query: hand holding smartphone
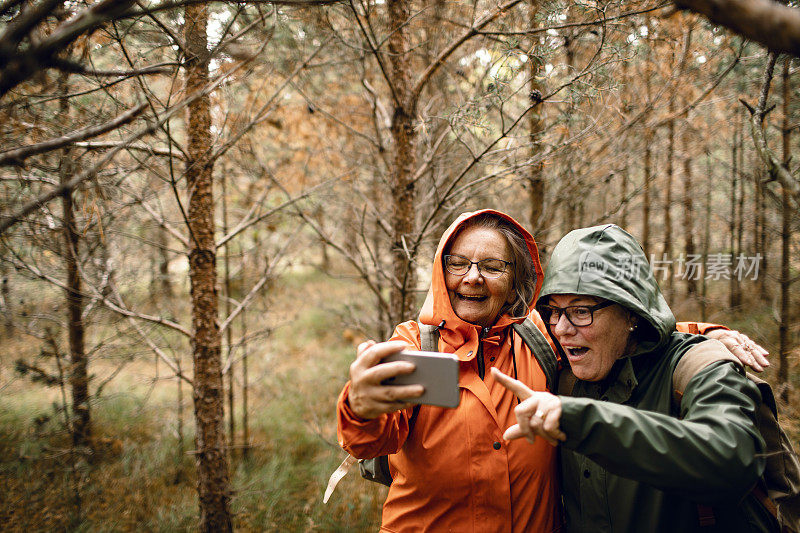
[[436, 371]]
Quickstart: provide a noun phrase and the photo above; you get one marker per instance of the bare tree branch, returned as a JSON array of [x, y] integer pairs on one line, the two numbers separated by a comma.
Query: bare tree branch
[[248, 222], [66, 65], [543, 29], [18, 155], [19, 65], [12, 219], [769, 23], [146, 148], [447, 52], [156, 350], [776, 168]]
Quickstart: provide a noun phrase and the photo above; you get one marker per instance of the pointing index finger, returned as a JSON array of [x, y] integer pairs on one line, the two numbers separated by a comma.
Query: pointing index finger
[[517, 387]]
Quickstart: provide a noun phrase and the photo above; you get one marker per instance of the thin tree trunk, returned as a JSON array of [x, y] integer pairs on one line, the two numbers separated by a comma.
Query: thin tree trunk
[[213, 483], [625, 174], [535, 128], [163, 263], [648, 178], [572, 202], [402, 302], [706, 239], [245, 388], [648, 150], [325, 260], [668, 286], [763, 242], [742, 194], [734, 298], [688, 208], [5, 293], [78, 374], [624, 191], [786, 240], [229, 331]]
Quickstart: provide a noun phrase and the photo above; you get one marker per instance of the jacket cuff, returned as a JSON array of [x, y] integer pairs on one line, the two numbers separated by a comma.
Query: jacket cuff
[[571, 423], [347, 418]]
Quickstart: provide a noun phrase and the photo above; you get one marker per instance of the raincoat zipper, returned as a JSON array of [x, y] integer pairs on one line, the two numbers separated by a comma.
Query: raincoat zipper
[[479, 358]]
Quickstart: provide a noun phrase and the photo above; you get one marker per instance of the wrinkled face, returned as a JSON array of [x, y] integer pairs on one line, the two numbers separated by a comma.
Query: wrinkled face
[[474, 298], [593, 349]]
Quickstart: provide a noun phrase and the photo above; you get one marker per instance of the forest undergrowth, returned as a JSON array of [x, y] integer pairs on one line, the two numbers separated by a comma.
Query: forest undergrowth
[[140, 477]]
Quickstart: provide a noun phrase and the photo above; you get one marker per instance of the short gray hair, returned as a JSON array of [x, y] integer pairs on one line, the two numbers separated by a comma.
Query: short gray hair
[[524, 270]]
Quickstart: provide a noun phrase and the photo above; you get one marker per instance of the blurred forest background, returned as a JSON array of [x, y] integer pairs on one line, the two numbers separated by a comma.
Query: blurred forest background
[[205, 206]]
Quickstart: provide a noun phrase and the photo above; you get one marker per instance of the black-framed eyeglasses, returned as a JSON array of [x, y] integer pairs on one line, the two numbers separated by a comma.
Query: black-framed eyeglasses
[[488, 268], [578, 315]]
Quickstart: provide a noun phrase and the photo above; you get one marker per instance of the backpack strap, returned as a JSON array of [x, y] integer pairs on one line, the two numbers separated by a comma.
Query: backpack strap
[[693, 361], [541, 349]]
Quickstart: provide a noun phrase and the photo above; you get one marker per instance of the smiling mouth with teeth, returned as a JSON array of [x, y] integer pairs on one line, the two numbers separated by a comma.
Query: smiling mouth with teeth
[[577, 351], [471, 298]]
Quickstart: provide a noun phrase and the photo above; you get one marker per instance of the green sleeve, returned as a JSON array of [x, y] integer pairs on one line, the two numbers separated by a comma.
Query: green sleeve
[[713, 452]]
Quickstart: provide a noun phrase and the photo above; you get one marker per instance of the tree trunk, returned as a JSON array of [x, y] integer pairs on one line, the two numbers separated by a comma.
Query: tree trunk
[[245, 388], [402, 300], [535, 129], [648, 178], [734, 299], [78, 375], [688, 209], [668, 285], [648, 150], [213, 484], [624, 175], [763, 242], [786, 239], [5, 295], [740, 207], [229, 331], [163, 263], [706, 238]]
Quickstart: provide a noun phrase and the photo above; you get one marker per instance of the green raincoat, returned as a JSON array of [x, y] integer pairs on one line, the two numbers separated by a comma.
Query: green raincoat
[[631, 462]]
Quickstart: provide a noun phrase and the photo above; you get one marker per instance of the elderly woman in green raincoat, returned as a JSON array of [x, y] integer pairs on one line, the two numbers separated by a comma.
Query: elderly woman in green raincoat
[[631, 460]]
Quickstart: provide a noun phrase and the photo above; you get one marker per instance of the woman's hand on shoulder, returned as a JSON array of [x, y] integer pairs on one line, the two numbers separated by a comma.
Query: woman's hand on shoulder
[[538, 414], [368, 397], [743, 347]]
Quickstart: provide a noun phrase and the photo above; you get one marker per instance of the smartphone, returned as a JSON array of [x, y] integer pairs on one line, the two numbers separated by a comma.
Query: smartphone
[[436, 371]]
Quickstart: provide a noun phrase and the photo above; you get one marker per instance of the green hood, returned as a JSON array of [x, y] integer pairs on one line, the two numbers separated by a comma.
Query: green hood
[[607, 262]]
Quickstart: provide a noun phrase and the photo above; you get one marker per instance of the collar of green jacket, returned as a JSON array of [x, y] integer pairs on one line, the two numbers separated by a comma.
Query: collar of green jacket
[[607, 262]]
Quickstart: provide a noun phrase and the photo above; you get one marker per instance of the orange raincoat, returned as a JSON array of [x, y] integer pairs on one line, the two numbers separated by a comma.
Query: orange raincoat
[[454, 472]]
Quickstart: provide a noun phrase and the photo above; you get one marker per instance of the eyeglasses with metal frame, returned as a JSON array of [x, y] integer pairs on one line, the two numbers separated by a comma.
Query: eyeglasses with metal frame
[[577, 315], [488, 268]]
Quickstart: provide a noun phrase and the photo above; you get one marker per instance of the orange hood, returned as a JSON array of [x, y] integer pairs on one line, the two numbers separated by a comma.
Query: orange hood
[[462, 337]]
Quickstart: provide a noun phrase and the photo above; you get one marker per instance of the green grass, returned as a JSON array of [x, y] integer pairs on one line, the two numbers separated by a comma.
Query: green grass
[[138, 480]]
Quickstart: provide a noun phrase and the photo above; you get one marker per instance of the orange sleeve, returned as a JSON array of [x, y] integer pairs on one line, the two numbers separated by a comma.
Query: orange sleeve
[[698, 327], [385, 434]]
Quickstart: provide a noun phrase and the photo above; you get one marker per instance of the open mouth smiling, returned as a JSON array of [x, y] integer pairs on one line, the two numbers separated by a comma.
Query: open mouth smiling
[[471, 298], [576, 352]]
